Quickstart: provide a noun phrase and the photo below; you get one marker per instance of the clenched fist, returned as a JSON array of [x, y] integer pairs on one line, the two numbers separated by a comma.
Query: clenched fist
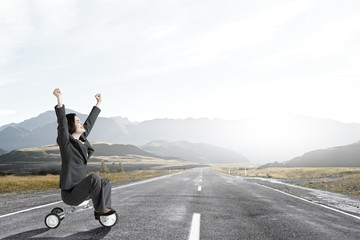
[[98, 99], [57, 92]]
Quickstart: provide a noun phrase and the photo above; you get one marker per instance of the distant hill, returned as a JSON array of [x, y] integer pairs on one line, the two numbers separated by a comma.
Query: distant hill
[[35, 122], [341, 156], [105, 149], [48, 157], [2, 151], [45, 153], [39, 121], [194, 152]]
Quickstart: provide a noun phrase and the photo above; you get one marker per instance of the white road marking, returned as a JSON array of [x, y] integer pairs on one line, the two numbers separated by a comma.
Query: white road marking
[[124, 186], [50, 195], [195, 227], [199, 188], [145, 181], [200, 180], [317, 204], [26, 210]]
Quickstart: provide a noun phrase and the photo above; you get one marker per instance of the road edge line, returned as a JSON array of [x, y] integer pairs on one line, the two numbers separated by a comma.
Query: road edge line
[[308, 201], [29, 209]]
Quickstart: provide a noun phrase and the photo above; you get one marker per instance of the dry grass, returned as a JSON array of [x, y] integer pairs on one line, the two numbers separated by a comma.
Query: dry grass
[[235, 165], [22, 184], [295, 173], [137, 162], [135, 175], [343, 180], [348, 184]]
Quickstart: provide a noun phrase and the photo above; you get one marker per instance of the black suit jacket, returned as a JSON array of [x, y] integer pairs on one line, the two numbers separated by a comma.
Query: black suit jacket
[[74, 153]]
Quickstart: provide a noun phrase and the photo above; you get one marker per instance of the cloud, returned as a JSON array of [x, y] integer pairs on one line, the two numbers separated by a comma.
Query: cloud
[[4, 82], [27, 23], [7, 112], [254, 30], [54, 16], [15, 28], [161, 31], [211, 43], [319, 47]]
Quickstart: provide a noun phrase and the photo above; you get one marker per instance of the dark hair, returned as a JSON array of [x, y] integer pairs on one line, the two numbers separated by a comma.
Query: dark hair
[[71, 122]]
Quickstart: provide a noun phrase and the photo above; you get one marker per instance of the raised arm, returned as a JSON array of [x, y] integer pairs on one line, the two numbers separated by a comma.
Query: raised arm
[[90, 121], [63, 132], [98, 100], [58, 95]]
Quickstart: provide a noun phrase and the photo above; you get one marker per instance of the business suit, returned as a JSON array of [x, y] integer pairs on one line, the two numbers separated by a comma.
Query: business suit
[[75, 185]]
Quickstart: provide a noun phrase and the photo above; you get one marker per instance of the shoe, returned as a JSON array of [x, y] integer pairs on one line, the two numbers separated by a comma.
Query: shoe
[[97, 215]]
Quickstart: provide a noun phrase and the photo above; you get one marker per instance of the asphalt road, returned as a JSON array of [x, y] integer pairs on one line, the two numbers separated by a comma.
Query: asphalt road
[[196, 204]]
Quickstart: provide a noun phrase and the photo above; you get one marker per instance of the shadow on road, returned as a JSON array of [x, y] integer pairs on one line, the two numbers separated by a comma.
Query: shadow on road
[[28, 234], [97, 233]]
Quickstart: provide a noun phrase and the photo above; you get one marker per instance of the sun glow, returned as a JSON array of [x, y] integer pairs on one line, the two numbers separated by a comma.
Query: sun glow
[[272, 130]]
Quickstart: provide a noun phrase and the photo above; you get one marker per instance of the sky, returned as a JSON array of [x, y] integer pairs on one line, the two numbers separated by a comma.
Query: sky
[[227, 59]]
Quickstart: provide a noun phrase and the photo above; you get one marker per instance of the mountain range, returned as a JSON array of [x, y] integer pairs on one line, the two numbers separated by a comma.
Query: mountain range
[[340, 156], [48, 157], [260, 139], [194, 152], [2, 151], [52, 153]]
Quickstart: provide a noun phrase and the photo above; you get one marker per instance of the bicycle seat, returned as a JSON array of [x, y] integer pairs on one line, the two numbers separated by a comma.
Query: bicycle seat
[[84, 203]]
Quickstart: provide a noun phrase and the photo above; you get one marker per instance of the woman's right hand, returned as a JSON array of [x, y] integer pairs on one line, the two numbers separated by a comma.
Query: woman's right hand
[[57, 92], [58, 95]]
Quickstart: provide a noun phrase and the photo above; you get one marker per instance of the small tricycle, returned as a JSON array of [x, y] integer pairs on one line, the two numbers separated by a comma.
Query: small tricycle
[[53, 219]]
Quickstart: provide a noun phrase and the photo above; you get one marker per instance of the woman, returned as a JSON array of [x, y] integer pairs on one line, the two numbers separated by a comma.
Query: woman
[[75, 150]]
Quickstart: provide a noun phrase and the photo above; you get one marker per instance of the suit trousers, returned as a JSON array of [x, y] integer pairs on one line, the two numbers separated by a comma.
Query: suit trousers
[[94, 187]]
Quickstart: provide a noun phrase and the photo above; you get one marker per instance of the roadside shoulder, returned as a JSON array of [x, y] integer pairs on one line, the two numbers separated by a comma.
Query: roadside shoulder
[[346, 203]]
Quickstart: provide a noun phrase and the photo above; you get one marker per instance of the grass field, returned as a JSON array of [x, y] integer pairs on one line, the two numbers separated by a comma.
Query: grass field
[[342, 180], [23, 184]]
